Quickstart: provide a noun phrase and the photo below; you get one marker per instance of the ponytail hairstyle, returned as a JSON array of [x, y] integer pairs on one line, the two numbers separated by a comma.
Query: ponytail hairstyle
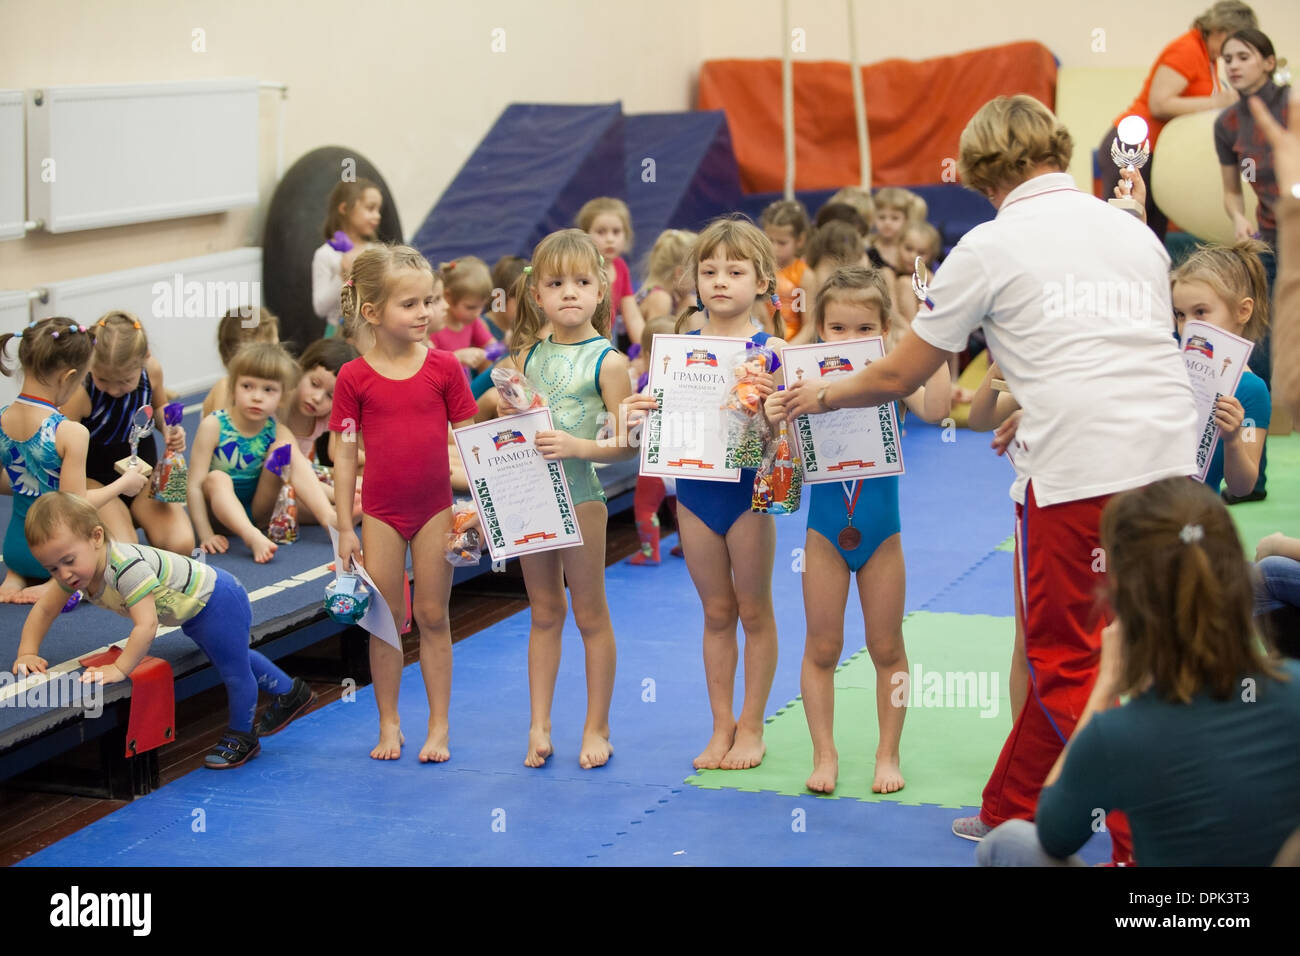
[[373, 275], [736, 237], [1234, 273], [48, 348], [854, 285], [1181, 589], [1258, 41], [347, 195], [119, 342], [566, 251], [466, 278]]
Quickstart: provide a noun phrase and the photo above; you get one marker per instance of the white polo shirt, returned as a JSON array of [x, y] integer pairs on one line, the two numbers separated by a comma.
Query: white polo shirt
[[1073, 296]]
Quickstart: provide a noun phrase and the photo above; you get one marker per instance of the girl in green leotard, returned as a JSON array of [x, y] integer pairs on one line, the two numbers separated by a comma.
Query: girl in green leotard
[[584, 380]]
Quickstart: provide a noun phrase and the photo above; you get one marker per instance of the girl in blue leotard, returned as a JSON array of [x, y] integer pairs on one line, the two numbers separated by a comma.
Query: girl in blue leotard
[[729, 549], [41, 450], [854, 303]]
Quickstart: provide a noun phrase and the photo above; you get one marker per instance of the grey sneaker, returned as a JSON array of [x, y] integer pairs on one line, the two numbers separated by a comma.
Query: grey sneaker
[[971, 828]]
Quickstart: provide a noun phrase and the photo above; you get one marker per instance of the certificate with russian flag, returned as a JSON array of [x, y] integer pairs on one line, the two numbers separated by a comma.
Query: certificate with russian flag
[[849, 442], [522, 499], [690, 376], [1215, 361]]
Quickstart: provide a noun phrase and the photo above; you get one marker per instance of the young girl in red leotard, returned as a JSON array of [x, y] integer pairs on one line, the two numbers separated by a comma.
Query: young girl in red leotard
[[400, 394]]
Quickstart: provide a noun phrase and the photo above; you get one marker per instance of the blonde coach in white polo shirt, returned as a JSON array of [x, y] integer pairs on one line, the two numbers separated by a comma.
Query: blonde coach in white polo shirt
[[1073, 297]]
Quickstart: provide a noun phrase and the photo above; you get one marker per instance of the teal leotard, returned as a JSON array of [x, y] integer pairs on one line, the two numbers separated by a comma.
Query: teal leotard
[[569, 377], [242, 457], [33, 467]]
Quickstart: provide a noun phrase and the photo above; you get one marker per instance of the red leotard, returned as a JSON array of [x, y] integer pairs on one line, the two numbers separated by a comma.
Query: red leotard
[[408, 476]]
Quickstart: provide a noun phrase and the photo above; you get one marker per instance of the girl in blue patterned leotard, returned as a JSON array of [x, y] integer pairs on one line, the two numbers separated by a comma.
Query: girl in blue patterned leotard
[[854, 303], [730, 550], [54, 354]]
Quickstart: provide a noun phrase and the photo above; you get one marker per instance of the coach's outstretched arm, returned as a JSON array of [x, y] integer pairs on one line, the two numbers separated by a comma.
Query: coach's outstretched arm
[[900, 373]]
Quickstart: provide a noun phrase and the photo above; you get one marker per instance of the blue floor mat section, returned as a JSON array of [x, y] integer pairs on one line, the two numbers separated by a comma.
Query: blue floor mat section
[[314, 796]]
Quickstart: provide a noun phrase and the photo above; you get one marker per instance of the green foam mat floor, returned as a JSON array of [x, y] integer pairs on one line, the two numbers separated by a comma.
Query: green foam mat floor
[[957, 719], [1280, 511]]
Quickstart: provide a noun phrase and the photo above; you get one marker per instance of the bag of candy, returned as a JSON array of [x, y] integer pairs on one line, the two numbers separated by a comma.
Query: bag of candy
[[746, 425], [778, 484], [464, 544], [171, 478], [284, 516], [516, 394]]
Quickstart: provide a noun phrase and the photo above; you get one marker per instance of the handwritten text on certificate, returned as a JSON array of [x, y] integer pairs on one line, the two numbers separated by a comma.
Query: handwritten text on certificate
[[1215, 361], [849, 442], [690, 375], [522, 498]]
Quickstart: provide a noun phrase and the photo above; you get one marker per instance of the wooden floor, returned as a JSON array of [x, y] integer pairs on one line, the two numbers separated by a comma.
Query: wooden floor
[[31, 821]]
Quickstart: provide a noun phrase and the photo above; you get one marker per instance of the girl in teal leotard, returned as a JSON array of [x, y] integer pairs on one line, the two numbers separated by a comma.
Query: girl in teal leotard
[[51, 454], [584, 381], [854, 303]]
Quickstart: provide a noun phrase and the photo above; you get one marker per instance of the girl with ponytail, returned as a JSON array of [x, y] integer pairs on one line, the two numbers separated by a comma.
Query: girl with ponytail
[[1226, 287]]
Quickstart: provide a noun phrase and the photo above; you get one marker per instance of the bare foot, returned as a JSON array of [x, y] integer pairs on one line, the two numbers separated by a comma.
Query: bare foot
[[889, 778], [719, 744], [746, 752], [539, 747], [436, 748], [826, 771], [390, 743], [12, 587], [596, 750], [263, 548]]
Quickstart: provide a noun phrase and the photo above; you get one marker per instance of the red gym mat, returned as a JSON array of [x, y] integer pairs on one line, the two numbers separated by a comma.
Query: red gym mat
[[152, 722]]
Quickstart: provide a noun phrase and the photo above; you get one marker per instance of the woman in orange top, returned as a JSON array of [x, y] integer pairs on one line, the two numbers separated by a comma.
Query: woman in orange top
[[1182, 80]]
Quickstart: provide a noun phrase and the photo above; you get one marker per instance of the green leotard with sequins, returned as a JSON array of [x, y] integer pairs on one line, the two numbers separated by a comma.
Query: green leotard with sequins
[[569, 377]]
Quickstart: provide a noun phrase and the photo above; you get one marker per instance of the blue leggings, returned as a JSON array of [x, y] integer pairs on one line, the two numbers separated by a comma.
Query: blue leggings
[[222, 631], [17, 555]]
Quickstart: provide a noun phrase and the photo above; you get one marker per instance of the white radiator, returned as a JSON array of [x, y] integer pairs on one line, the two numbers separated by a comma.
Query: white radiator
[[179, 305], [111, 155], [12, 198]]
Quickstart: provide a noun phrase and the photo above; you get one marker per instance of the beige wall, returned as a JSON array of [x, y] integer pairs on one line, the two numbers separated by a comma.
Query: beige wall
[[1133, 30], [414, 85], [414, 88]]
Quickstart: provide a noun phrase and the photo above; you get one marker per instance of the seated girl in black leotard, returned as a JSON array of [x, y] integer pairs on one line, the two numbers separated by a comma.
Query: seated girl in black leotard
[[124, 378]]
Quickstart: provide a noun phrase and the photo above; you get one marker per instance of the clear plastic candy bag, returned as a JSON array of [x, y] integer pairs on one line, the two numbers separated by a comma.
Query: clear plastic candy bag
[[778, 485], [284, 516], [746, 425], [464, 544], [516, 394]]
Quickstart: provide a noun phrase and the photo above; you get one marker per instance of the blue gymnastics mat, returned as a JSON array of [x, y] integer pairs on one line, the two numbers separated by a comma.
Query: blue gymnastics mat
[[314, 797]]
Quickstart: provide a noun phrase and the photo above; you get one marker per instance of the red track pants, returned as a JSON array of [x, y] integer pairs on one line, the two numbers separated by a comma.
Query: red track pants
[[1058, 548]]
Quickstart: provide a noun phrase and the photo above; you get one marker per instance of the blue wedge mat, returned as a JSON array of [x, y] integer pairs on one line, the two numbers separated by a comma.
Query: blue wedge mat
[[528, 176], [314, 796], [681, 172]]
